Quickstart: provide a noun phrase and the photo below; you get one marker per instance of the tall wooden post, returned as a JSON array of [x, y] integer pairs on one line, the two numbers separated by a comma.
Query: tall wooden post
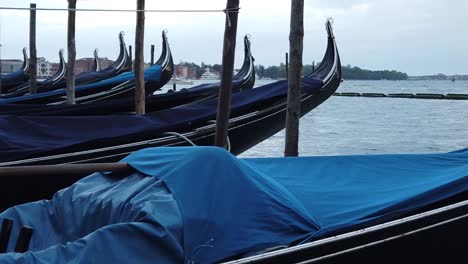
[[32, 49], [296, 37], [130, 55], [224, 103], [313, 65], [152, 54], [286, 61], [139, 67], [71, 52]]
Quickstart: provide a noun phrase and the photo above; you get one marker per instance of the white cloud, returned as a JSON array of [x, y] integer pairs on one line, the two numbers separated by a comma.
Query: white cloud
[[419, 37]]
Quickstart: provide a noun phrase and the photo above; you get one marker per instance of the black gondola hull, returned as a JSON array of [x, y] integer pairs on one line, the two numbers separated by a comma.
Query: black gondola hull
[[251, 122]]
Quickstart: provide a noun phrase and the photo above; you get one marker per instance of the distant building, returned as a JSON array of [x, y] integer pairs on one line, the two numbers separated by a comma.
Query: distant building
[[87, 64], [181, 71], [45, 68], [185, 72], [105, 62], [84, 65], [8, 66]]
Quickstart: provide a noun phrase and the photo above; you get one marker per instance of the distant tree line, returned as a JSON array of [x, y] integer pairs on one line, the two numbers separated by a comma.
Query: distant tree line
[[279, 72], [356, 73], [439, 76], [349, 73]]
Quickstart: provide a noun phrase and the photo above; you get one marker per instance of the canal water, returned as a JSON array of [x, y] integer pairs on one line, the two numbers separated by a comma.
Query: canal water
[[358, 125]]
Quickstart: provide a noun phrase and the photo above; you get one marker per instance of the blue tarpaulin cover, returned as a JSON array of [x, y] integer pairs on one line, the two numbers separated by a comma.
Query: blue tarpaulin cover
[[203, 205]]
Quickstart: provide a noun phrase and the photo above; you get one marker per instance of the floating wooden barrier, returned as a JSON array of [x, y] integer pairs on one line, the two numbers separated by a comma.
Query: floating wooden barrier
[[373, 95], [350, 94], [457, 96], [401, 95], [407, 95], [429, 96]]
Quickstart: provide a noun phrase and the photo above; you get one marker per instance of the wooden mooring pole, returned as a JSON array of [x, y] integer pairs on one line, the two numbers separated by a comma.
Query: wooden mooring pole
[[139, 67], [32, 49], [71, 52], [286, 65], [152, 54], [229, 46], [296, 37]]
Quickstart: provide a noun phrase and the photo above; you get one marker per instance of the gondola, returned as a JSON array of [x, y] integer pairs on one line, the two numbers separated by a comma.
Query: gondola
[[204, 205], [127, 89], [256, 114], [156, 76], [59, 76], [121, 64], [11, 80], [243, 80], [111, 137]]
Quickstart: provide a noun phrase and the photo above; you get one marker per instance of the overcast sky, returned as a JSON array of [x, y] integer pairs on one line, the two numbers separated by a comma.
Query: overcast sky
[[415, 36]]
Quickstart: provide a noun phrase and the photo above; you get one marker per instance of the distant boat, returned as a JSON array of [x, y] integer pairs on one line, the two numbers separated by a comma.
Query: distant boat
[[208, 75]]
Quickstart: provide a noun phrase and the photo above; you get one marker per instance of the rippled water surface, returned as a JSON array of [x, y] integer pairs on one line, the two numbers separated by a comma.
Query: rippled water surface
[[358, 125]]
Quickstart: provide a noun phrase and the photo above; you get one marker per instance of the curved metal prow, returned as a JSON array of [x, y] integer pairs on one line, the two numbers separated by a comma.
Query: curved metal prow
[[165, 61], [248, 67], [166, 57], [97, 63], [25, 66], [122, 63], [331, 58], [61, 70], [329, 26]]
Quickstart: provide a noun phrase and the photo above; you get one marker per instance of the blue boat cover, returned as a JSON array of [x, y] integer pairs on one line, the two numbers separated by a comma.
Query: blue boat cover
[[203, 205], [27, 136], [153, 73]]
